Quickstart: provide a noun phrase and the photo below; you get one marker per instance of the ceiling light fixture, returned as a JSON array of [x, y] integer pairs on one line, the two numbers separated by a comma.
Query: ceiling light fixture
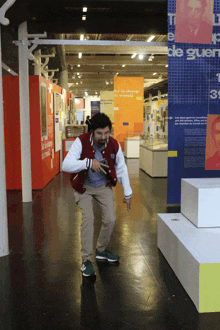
[[84, 9], [141, 56], [123, 65], [78, 65], [150, 39], [76, 83], [81, 36], [134, 55], [80, 55], [107, 82], [150, 59], [83, 17], [154, 73], [77, 73], [166, 66]]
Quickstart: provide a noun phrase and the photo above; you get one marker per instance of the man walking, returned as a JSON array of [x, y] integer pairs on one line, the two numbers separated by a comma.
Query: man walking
[[96, 162]]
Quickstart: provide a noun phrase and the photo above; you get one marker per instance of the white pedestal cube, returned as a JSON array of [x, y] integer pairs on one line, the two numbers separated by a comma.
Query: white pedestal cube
[[194, 255], [131, 147], [153, 162], [200, 201]]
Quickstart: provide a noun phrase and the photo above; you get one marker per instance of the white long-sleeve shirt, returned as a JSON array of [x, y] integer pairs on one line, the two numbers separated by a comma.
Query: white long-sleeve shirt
[[73, 164]]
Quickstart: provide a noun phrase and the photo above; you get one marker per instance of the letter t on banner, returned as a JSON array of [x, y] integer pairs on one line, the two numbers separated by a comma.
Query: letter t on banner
[[194, 20]]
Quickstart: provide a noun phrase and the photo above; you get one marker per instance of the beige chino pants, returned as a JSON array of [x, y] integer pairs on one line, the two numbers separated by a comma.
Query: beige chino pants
[[104, 196]]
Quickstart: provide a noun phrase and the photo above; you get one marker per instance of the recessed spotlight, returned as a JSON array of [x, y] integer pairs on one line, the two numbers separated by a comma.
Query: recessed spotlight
[[83, 17], [84, 9], [141, 56], [77, 73], [76, 83], [80, 55], [134, 55], [151, 38], [150, 59], [123, 65], [78, 65], [154, 73], [166, 66], [81, 36], [107, 82]]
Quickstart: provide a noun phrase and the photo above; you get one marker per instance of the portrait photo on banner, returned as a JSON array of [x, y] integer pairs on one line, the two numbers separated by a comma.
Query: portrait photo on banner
[[213, 143], [194, 20]]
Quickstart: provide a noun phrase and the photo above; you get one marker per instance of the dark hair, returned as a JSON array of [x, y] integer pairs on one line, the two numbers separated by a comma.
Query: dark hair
[[100, 120]]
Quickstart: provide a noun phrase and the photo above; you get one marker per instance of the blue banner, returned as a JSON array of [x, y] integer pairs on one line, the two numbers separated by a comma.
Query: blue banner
[[95, 107], [193, 93]]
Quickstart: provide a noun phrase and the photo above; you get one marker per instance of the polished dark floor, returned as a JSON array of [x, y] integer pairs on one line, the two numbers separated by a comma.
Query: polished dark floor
[[41, 284]]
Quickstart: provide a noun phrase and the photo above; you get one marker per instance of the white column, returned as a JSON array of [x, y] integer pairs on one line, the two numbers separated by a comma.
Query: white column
[[4, 250], [63, 79], [37, 67], [24, 113]]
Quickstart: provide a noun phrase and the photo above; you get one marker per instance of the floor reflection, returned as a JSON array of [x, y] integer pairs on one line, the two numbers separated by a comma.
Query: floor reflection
[[41, 283]]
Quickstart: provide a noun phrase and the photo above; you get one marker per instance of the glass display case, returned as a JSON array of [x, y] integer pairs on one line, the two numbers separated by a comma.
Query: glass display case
[[154, 155], [154, 144], [131, 146], [74, 131]]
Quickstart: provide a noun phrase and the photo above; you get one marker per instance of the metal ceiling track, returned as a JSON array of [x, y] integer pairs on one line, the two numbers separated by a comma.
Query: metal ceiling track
[[107, 47]]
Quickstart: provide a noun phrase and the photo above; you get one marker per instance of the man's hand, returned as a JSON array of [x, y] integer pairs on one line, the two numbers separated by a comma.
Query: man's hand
[[128, 202], [97, 166]]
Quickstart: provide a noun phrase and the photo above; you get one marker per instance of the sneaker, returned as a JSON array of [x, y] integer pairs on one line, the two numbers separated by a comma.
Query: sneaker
[[87, 269], [107, 255]]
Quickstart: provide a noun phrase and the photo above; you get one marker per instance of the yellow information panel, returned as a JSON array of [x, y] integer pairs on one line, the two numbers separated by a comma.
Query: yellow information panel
[[107, 104], [128, 105], [209, 288]]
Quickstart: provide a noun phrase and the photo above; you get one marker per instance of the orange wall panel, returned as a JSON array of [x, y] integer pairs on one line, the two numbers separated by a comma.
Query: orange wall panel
[[128, 105]]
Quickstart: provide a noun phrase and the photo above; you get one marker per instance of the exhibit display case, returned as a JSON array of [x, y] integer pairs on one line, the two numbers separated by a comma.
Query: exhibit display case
[[131, 146], [153, 155], [74, 131], [154, 143]]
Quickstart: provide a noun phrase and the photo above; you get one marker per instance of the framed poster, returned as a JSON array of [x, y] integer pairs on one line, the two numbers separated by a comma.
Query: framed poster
[[57, 136], [43, 109]]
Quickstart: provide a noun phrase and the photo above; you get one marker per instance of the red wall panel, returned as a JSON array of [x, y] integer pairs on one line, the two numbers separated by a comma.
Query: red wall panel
[[43, 168], [12, 132]]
